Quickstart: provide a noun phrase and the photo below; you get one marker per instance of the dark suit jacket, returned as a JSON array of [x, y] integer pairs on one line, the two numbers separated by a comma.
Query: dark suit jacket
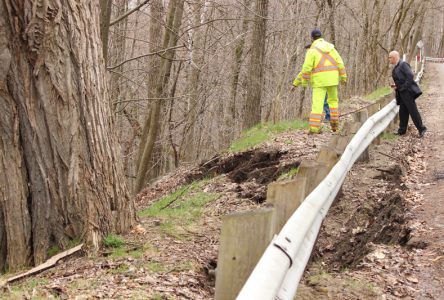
[[404, 79]]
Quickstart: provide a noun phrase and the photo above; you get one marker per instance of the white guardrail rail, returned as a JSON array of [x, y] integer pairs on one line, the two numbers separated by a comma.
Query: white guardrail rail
[[433, 59], [278, 272]]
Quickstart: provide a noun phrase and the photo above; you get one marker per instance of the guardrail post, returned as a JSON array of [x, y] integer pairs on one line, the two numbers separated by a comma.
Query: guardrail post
[[328, 155], [339, 142], [314, 172], [286, 196], [361, 117], [391, 127], [354, 127], [372, 109], [394, 124], [244, 238]]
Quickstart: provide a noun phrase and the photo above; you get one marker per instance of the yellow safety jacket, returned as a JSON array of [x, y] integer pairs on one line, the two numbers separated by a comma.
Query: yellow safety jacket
[[323, 66]]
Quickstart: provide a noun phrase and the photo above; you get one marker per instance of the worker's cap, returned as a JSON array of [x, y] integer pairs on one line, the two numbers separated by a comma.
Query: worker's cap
[[307, 46], [316, 33]]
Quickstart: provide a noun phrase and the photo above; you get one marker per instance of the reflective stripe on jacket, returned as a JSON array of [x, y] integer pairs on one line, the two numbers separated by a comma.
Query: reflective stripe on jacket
[[323, 66]]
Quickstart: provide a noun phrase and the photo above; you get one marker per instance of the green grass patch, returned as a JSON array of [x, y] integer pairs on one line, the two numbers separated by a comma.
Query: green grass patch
[[113, 241], [74, 242], [22, 290], [158, 296], [155, 267], [289, 174], [83, 284], [186, 265], [318, 278], [172, 230], [262, 132], [181, 208], [136, 253], [388, 136], [35, 282], [116, 244], [378, 94], [118, 252], [53, 250], [120, 269], [359, 285]]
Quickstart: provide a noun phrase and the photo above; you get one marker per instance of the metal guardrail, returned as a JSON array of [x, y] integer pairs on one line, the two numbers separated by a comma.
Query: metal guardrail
[[435, 59], [278, 272]]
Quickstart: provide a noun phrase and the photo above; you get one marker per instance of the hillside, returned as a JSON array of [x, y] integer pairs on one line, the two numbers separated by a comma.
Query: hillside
[[368, 248]]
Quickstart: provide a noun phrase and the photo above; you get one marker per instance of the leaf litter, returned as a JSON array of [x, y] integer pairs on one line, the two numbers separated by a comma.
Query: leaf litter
[[371, 223]]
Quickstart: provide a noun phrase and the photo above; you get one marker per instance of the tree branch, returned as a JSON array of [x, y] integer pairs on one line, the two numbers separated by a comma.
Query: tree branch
[[46, 265], [128, 13], [144, 55]]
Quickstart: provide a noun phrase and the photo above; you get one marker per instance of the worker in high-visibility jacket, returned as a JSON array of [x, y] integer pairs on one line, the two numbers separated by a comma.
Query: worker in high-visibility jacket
[[324, 69]]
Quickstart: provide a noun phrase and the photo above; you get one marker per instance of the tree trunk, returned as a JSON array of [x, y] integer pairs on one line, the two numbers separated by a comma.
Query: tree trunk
[[170, 40], [419, 25], [230, 114], [332, 20], [117, 54], [60, 179], [441, 44], [155, 33], [105, 18], [197, 62], [256, 71]]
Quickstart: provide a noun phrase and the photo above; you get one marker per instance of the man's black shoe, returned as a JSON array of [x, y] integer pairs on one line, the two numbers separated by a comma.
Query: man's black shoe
[[399, 133], [422, 132]]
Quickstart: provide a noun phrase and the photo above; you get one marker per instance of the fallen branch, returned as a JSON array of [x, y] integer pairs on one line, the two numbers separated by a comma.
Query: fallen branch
[[46, 265], [386, 155], [175, 199]]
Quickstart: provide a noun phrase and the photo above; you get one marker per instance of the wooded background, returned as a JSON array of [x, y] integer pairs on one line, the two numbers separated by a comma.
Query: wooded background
[[233, 64], [96, 96]]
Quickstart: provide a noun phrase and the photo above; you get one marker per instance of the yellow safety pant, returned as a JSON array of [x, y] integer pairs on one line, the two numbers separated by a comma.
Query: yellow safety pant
[[317, 107]]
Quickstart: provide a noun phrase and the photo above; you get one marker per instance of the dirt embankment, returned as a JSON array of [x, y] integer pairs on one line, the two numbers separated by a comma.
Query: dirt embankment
[[383, 238], [376, 242]]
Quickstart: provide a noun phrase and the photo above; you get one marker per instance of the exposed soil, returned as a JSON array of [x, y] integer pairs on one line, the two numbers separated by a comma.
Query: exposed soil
[[382, 239], [251, 170], [258, 167], [380, 222]]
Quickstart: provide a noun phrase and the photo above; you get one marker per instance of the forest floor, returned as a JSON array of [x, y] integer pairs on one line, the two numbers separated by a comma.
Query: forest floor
[[382, 239]]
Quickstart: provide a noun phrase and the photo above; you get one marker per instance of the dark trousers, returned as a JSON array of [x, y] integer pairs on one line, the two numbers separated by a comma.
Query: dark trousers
[[407, 107], [326, 108]]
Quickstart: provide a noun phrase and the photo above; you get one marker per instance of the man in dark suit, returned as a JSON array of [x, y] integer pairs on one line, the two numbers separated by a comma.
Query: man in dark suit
[[406, 92]]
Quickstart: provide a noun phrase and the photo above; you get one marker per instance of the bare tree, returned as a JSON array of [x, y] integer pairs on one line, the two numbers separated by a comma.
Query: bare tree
[[152, 122], [196, 63], [252, 114], [230, 113], [218, 67], [105, 19], [63, 179]]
